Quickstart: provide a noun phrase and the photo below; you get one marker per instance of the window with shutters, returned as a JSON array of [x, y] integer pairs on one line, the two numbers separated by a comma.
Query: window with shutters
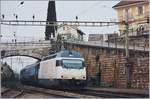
[[140, 10]]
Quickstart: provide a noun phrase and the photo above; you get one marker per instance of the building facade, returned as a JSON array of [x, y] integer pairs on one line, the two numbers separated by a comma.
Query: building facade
[[102, 37], [96, 37], [69, 33], [137, 13]]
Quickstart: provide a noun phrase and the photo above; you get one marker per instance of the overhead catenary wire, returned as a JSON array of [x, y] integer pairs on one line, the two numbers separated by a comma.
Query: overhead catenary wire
[[89, 8]]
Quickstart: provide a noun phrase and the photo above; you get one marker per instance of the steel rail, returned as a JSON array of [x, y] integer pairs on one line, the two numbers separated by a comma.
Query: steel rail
[[110, 94], [64, 93], [11, 93]]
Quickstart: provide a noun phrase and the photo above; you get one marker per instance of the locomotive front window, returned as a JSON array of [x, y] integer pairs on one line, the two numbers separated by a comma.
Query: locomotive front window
[[74, 64]]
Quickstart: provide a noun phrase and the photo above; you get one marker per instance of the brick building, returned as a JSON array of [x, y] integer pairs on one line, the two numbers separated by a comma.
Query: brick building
[[138, 15], [96, 37], [102, 37], [70, 33], [138, 20]]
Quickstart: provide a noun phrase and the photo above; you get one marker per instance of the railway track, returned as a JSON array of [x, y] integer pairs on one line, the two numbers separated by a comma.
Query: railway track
[[57, 93], [110, 94], [23, 90], [11, 93], [84, 93]]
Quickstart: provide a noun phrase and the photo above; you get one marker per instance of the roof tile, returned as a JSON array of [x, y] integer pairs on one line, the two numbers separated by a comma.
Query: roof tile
[[127, 2]]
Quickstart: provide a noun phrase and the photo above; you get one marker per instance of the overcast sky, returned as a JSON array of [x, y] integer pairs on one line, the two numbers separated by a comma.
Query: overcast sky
[[65, 10]]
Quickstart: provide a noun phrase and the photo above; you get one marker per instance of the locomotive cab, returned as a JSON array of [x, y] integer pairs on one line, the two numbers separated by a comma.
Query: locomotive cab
[[71, 70], [65, 68]]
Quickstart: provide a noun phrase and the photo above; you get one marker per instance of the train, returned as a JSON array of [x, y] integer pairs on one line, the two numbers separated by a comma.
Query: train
[[64, 69]]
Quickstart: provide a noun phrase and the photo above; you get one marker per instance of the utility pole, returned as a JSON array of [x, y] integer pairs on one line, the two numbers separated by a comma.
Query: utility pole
[[0, 49], [0, 41], [126, 40], [128, 67], [126, 35]]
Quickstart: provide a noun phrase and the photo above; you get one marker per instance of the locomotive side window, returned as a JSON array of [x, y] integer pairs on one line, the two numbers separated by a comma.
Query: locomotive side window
[[58, 63], [73, 64], [83, 63]]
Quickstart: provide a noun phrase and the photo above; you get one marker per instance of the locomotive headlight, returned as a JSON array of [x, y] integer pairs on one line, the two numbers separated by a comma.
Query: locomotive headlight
[[83, 77]]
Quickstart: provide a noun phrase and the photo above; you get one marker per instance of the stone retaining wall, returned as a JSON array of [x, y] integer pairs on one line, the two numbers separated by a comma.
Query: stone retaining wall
[[111, 70]]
